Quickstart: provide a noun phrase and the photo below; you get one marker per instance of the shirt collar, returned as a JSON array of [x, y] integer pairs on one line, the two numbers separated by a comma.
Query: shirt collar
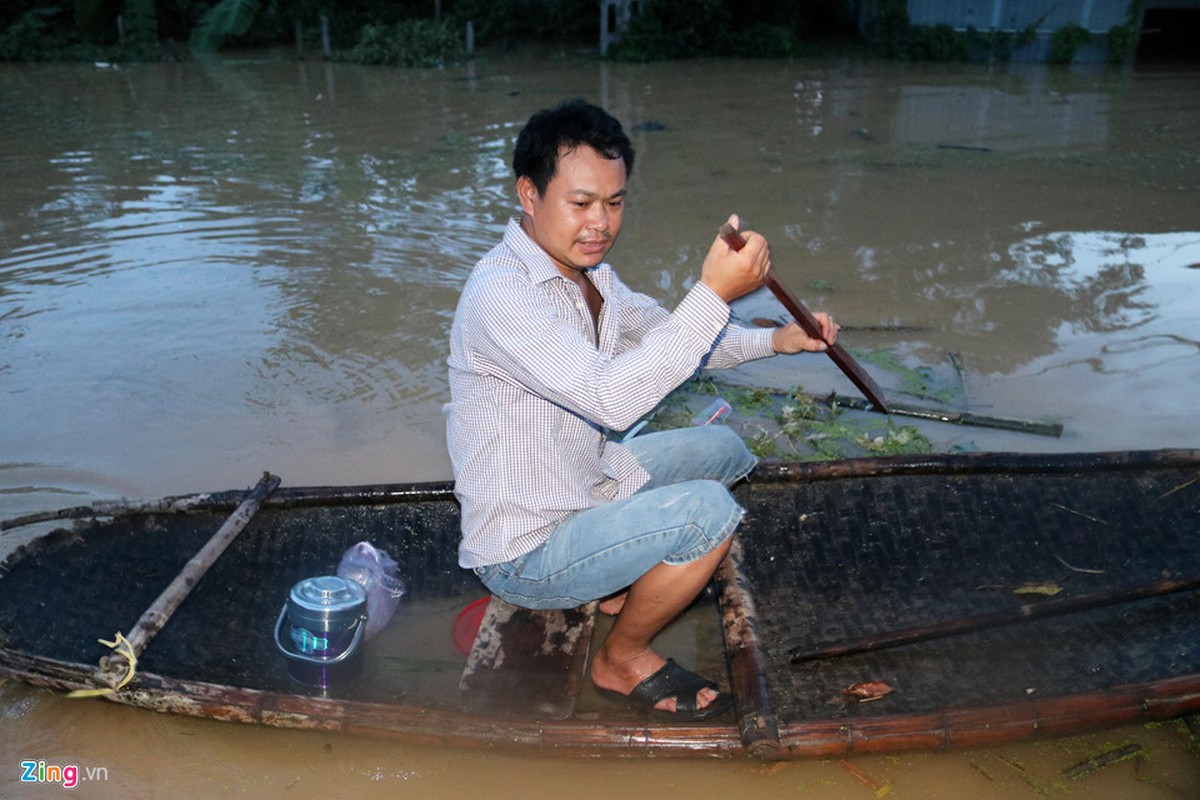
[[541, 267]]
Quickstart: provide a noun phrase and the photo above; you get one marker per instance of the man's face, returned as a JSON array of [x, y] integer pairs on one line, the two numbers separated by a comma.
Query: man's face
[[577, 220]]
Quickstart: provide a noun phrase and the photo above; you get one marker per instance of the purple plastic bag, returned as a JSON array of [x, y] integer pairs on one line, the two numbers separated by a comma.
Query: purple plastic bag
[[376, 571]]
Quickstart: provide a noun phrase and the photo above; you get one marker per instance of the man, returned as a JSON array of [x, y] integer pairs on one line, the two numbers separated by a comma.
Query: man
[[548, 351]]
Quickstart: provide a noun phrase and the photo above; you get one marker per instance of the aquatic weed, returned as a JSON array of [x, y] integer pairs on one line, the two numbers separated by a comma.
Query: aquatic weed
[[921, 381], [790, 425]]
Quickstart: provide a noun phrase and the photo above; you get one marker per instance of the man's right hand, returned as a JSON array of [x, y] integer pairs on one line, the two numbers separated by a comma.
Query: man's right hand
[[733, 273]]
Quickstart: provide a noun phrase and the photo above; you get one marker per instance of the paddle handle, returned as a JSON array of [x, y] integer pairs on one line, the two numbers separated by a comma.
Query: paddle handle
[[845, 362]]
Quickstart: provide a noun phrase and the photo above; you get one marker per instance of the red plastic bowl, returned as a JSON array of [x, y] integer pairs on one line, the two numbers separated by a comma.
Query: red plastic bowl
[[466, 625]]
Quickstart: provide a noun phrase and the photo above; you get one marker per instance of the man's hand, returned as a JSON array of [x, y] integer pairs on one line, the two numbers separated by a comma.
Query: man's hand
[[791, 338], [733, 273]]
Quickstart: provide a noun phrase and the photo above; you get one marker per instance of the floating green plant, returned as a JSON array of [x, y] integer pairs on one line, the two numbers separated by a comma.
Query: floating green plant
[[922, 381], [791, 426]]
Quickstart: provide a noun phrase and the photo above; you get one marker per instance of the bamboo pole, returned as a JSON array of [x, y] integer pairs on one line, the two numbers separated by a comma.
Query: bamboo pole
[[757, 724], [1052, 429], [114, 668], [995, 619], [1102, 760], [296, 496], [833, 399]]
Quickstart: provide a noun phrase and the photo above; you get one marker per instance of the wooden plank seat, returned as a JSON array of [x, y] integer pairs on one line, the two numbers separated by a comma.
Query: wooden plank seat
[[527, 663]]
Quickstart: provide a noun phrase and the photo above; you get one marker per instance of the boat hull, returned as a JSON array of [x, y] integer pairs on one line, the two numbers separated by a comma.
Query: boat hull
[[827, 551]]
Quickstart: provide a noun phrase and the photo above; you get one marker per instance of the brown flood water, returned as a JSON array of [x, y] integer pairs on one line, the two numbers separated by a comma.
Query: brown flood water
[[208, 270]]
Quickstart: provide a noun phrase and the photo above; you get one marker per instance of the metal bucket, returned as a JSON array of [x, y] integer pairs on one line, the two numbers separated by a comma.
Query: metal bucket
[[325, 618]]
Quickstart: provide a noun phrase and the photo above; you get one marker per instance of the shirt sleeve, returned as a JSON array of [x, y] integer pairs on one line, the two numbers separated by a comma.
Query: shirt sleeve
[[522, 337], [734, 344], [737, 345]]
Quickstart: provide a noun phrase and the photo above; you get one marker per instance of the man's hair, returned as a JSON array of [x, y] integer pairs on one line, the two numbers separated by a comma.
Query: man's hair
[[570, 124]]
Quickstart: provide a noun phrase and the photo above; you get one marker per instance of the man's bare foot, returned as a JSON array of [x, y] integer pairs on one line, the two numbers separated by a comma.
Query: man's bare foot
[[622, 677], [613, 605]]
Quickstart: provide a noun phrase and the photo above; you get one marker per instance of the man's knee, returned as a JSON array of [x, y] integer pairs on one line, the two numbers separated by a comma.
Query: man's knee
[[738, 458], [711, 510]]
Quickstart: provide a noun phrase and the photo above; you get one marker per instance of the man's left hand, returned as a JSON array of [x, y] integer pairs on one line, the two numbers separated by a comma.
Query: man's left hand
[[791, 338]]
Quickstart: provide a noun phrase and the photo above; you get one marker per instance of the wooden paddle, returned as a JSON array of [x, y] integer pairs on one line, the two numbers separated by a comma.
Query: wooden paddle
[[995, 619], [845, 362]]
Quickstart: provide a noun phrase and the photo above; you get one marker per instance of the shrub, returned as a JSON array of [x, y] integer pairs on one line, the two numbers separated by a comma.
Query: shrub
[[1122, 41], [411, 43], [1065, 42], [939, 43]]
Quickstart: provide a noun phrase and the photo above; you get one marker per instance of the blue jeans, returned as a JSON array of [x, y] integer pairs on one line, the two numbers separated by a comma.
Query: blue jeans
[[683, 512]]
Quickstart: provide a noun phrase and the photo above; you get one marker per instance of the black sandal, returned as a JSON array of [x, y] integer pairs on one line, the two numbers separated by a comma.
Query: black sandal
[[673, 680]]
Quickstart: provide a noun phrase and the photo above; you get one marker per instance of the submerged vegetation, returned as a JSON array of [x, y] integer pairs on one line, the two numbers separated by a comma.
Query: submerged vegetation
[[791, 426], [423, 33]]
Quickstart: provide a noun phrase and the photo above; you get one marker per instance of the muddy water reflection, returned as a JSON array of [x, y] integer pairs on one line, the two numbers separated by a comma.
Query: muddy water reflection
[[211, 269]]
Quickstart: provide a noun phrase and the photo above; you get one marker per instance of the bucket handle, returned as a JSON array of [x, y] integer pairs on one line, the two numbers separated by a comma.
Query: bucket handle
[[342, 656]]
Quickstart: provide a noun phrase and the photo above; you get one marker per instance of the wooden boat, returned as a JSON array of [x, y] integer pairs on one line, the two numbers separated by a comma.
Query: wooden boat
[[990, 548]]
